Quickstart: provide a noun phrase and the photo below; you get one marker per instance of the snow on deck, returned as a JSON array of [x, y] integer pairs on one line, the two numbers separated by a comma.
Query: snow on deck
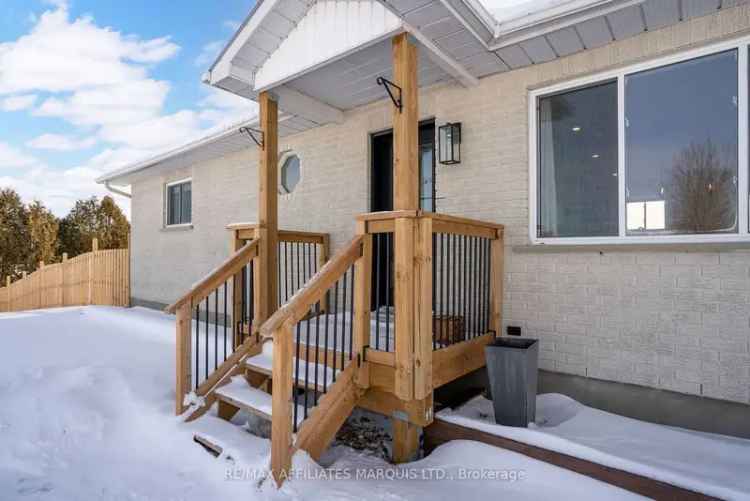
[[715, 465]]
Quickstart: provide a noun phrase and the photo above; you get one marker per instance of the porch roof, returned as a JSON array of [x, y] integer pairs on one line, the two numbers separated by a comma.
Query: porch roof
[[321, 58]]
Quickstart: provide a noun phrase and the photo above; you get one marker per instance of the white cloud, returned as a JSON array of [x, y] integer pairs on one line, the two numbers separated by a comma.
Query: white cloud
[[222, 108], [16, 103], [12, 157], [98, 80], [208, 53], [125, 102], [57, 189], [62, 55], [232, 25], [59, 142]]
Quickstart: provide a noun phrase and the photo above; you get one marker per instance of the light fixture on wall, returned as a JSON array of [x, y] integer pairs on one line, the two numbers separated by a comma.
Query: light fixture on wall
[[449, 143]]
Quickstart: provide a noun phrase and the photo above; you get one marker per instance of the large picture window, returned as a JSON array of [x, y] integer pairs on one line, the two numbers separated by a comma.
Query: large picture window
[[651, 153], [179, 203]]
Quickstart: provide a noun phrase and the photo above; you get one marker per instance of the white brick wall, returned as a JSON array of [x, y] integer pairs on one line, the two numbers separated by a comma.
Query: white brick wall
[[676, 318]]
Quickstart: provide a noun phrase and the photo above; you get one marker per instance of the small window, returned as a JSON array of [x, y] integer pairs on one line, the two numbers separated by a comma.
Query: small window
[[179, 203], [290, 173]]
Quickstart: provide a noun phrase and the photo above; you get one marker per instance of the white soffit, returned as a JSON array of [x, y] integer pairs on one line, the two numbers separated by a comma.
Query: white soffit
[[351, 80], [214, 145], [541, 30]]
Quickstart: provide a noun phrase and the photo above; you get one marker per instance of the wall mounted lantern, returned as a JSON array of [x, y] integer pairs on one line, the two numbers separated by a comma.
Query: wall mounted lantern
[[449, 143]]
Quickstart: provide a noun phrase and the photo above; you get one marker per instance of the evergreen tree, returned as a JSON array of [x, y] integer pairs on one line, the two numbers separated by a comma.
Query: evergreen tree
[[91, 219], [114, 228], [42, 230], [14, 249]]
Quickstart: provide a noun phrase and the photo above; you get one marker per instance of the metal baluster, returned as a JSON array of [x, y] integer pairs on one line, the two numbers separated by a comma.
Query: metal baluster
[[488, 275], [243, 291], [288, 272], [335, 325], [343, 324], [454, 323], [295, 389], [278, 263], [299, 265], [351, 315], [378, 255], [206, 337], [197, 344], [216, 328], [325, 353], [464, 276], [443, 285], [317, 350], [251, 299], [476, 285], [225, 321], [388, 292], [307, 361], [434, 287]]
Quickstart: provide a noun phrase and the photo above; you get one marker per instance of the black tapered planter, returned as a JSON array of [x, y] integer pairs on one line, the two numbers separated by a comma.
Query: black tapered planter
[[512, 368]]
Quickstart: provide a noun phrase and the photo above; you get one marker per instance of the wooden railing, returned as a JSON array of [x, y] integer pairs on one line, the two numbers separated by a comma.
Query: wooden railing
[[443, 287], [217, 320], [214, 326], [319, 351], [100, 277], [301, 254]]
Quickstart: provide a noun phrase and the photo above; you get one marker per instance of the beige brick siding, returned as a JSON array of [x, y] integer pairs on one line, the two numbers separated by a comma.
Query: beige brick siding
[[677, 319]]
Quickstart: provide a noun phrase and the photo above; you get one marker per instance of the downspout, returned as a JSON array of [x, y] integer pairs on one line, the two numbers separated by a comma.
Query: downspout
[[116, 191]]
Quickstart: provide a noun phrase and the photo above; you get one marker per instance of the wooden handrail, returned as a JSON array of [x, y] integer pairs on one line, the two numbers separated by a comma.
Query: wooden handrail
[[315, 289], [383, 222], [248, 231], [228, 269]]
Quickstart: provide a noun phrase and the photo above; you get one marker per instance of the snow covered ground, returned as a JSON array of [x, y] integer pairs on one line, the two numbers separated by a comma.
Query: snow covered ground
[[716, 465], [87, 402]]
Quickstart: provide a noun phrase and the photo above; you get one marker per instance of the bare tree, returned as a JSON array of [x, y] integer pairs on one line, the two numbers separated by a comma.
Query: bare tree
[[703, 190]]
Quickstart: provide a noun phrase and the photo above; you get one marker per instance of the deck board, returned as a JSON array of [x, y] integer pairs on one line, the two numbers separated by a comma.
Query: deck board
[[440, 432]]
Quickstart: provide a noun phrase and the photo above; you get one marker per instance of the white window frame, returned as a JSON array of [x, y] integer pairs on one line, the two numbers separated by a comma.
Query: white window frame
[[619, 74], [166, 203]]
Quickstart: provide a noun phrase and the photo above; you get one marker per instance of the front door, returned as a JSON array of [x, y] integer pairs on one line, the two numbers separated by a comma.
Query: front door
[[381, 199]]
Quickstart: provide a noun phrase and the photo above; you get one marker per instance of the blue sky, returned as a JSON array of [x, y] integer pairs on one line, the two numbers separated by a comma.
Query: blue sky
[[90, 85]]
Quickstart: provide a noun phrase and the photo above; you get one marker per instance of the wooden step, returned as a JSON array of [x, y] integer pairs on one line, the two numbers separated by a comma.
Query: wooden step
[[243, 396], [263, 364]]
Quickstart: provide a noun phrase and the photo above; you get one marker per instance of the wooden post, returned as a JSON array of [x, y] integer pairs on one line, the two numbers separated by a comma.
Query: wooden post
[[406, 126], [423, 314], [92, 258], [42, 285], [362, 302], [268, 217], [281, 424], [184, 348], [63, 273], [496, 291], [235, 244], [405, 197], [405, 441], [403, 294], [325, 248]]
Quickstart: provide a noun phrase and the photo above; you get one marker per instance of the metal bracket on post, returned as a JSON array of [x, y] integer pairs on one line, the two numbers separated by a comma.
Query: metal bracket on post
[[398, 103], [252, 133]]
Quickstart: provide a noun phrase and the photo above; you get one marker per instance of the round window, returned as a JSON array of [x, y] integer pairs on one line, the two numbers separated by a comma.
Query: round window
[[290, 173]]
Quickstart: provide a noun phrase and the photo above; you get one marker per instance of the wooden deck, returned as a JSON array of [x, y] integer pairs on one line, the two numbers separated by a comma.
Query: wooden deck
[[440, 432]]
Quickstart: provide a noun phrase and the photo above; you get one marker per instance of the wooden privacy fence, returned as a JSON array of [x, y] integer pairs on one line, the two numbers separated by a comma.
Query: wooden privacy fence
[[98, 277]]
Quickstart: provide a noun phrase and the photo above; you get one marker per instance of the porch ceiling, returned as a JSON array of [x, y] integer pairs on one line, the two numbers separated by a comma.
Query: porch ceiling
[[351, 81]]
